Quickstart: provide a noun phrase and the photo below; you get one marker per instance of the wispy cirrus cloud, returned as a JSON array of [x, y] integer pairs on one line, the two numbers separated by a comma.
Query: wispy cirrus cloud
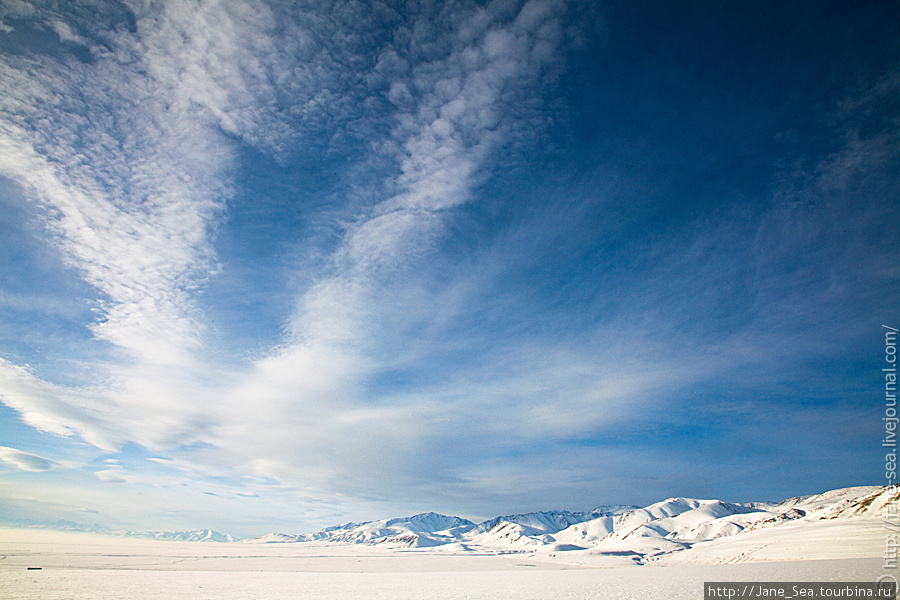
[[129, 196], [130, 185], [449, 123], [132, 175]]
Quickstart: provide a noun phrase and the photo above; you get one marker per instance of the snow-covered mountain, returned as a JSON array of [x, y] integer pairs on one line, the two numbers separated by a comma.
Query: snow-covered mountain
[[537, 523], [533, 529], [678, 524], [422, 530], [639, 534], [199, 535]]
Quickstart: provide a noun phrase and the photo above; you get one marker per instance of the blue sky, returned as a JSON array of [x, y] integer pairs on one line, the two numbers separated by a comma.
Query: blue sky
[[274, 266]]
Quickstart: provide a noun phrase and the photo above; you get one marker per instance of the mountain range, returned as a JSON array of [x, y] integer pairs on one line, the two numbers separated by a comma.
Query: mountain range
[[662, 528]]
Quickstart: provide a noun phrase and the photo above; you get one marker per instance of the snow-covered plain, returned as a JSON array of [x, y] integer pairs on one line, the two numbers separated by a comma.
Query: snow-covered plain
[[666, 550]]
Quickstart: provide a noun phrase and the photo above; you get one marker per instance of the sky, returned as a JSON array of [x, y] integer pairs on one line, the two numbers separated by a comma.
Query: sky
[[272, 266]]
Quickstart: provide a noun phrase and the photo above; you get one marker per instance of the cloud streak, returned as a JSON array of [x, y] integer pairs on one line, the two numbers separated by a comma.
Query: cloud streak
[[25, 461], [449, 123]]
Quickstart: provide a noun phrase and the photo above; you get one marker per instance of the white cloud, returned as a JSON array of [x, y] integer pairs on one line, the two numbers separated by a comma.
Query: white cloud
[[57, 409], [131, 178], [312, 399], [132, 175], [111, 476], [127, 214], [66, 34], [16, 9], [25, 461], [443, 138]]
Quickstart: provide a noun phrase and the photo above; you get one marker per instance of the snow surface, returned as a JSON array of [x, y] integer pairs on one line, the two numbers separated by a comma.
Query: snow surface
[[82, 567], [519, 583]]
